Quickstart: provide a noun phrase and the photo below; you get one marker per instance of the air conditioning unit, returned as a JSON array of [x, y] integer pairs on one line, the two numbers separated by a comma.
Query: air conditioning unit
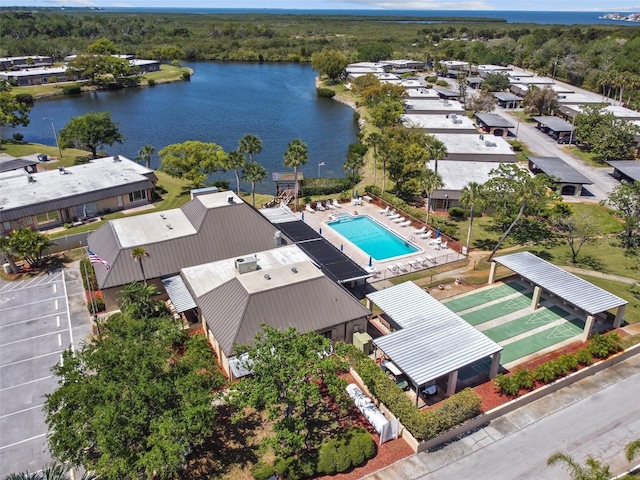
[[246, 264]]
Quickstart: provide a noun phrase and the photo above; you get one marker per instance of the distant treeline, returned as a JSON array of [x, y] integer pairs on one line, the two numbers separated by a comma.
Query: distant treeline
[[582, 55]]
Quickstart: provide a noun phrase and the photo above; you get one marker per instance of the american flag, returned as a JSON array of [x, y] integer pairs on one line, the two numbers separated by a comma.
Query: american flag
[[93, 258]]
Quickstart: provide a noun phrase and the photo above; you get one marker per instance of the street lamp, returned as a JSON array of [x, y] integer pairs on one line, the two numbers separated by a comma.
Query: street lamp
[[321, 164], [446, 202]]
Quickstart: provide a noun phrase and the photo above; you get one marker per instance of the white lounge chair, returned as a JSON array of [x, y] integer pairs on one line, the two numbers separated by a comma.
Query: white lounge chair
[[426, 236], [398, 219], [406, 223], [413, 263], [329, 205], [309, 209], [394, 216], [420, 231], [401, 266], [443, 246], [336, 203], [431, 259], [421, 261], [436, 241], [383, 210], [393, 269], [320, 207], [391, 212]]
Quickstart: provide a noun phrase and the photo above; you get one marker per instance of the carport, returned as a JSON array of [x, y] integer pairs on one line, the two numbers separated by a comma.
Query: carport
[[494, 124], [432, 341], [507, 99], [572, 290], [568, 180], [554, 127]]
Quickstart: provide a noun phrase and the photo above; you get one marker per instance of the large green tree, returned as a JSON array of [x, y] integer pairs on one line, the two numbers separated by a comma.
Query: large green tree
[[13, 112], [578, 230], [30, 245], [250, 145], [625, 198], [329, 63], [90, 131], [374, 52], [540, 100], [607, 137], [472, 196], [289, 372], [132, 402], [192, 160], [512, 193], [483, 102], [496, 82], [295, 156]]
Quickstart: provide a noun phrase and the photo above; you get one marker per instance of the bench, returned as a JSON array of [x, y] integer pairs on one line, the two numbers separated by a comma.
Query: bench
[[367, 199]]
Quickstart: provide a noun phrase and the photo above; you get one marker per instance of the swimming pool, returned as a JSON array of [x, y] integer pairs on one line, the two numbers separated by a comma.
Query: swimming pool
[[371, 237]]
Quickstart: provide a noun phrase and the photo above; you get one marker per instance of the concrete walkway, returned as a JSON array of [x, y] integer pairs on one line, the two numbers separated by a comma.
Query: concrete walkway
[[428, 464], [606, 276]]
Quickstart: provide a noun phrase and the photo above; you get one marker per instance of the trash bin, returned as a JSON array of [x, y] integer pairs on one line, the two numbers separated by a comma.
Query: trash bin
[[7, 268]]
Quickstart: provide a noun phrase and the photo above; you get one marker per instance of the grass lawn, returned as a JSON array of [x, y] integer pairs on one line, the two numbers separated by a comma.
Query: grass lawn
[[17, 149], [622, 290], [586, 157]]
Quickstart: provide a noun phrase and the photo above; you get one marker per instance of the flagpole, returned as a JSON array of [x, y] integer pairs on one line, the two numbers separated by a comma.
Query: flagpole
[[86, 277]]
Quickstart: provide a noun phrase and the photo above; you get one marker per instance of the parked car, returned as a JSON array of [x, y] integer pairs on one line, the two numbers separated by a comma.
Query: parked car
[[565, 140]]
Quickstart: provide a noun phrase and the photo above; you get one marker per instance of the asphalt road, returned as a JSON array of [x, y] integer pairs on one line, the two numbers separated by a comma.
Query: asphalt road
[[597, 417], [39, 318]]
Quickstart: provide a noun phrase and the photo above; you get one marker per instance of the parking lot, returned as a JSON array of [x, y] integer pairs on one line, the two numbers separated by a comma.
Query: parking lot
[[40, 317]]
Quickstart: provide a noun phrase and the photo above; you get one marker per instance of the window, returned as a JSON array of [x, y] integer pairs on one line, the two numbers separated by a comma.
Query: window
[[29, 220], [137, 196], [47, 217], [86, 210], [6, 226]]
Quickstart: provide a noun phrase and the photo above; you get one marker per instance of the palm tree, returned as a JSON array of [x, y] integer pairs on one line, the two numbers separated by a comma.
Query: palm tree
[[594, 470], [138, 254], [54, 471], [234, 160], [140, 300], [430, 181], [354, 162], [250, 144], [437, 151], [296, 156], [472, 196], [374, 140], [632, 449], [254, 173], [6, 249], [144, 155]]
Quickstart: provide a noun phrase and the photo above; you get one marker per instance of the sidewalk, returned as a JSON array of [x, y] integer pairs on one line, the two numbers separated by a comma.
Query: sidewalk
[[422, 464]]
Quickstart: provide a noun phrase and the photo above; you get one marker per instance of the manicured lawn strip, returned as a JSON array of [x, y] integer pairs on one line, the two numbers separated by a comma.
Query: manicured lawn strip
[[541, 340], [622, 290], [475, 299], [495, 311], [524, 324]]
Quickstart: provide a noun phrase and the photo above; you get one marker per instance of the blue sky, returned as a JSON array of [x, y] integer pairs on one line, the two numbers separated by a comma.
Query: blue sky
[[536, 5]]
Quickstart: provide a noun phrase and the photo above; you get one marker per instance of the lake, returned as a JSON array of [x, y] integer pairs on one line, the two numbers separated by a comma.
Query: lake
[[221, 103]]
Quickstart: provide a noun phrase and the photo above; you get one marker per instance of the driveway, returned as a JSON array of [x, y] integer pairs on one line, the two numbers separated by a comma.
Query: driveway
[[40, 317]]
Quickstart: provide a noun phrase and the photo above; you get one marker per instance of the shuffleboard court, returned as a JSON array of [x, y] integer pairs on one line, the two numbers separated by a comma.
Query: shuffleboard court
[[524, 324], [478, 298], [541, 340], [498, 310]]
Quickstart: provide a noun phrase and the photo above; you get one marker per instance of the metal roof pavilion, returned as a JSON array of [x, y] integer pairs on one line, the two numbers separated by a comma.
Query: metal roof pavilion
[[494, 120], [554, 123], [557, 281], [629, 168], [559, 169], [433, 341]]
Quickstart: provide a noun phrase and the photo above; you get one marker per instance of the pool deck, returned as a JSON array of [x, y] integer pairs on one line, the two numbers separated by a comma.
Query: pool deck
[[432, 255]]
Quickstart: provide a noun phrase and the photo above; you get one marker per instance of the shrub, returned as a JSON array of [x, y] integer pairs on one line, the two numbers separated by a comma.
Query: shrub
[[343, 458], [432, 79], [99, 304], [601, 346], [567, 363], [373, 189], [545, 373], [325, 92], [456, 212], [151, 82], [506, 385], [18, 137], [584, 357], [25, 98], [71, 89], [356, 116], [326, 458], [442, 83], [524, 379], [186, 76], [262, 471], [85, 266]]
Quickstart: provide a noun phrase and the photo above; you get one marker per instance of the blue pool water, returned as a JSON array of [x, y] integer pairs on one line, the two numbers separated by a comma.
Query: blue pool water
[[371, 237]]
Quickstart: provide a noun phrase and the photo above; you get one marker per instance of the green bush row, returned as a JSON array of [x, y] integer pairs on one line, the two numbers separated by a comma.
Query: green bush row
[[328, 186], [325, 92], [98, 302], [423, 425], [86, 270], [599, 346], [26, 98], [432, 79], [71, 89], [442, 83]]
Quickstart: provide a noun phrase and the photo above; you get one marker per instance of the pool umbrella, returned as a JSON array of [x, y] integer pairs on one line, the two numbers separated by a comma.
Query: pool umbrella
[[303, 216], [437, 233], [370, 262], [356, 194]]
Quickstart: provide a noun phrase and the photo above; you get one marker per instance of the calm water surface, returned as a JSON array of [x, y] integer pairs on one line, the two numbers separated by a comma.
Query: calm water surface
[[221, 103]]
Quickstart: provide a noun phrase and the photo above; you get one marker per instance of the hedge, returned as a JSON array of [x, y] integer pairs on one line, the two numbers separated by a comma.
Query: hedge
[[351, 448], [325, 92], [71, 89], [85, 266], [26, 98], [423, 425], [325, 186]]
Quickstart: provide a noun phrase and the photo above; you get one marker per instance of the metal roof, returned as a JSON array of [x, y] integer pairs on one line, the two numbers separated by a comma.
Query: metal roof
[[561, 283], [559, 169], [506, 96], [554, 123], [629, 168], [332, 261], [434, 341], [447, 92], [179, 294], [234, 314], [494, 120], [8, 163]]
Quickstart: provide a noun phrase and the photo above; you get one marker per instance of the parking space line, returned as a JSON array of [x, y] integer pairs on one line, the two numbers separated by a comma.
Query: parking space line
[[21, 411], [66, 299], [24, 441], [24, 288], [34, 279], [31, 338], [29, 320], [57, 352], [32, 303], [26, 383]]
